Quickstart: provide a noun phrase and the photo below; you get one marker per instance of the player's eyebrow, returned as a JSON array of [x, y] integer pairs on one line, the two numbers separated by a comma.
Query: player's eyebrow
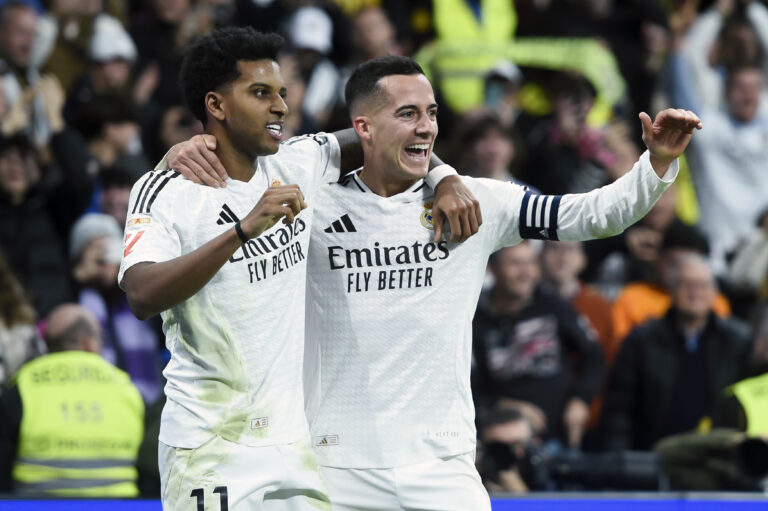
[[414, 107], [254, 85]]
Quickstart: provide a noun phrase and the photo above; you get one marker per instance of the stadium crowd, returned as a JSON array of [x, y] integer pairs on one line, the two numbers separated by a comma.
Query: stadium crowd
[[637, 361]]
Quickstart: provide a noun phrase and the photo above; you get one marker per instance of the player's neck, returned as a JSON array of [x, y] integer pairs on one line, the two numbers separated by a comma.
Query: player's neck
[[239, 165], [380, 184]]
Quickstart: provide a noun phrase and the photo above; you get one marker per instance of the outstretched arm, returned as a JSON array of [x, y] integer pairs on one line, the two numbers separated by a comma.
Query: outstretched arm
[[609, 210]]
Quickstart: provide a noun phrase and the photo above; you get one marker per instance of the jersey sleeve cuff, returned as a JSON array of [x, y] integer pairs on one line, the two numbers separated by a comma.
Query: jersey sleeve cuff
[[439, 173], [669, 176]]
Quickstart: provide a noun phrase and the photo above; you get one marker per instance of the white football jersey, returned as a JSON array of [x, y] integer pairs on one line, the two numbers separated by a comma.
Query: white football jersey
[[236, 345], [389, 311]]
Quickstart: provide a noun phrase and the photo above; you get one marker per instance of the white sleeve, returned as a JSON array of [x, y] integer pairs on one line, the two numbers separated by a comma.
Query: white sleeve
[[603, 212], [500, 203], [150, 235], [324, 149], [757, 14]]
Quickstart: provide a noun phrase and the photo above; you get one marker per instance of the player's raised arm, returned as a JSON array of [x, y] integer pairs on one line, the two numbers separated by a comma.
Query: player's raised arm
[[610, 209], [152, 287]]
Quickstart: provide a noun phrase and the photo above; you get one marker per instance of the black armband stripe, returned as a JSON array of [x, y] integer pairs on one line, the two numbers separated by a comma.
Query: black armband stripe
[[553, 216], [538, 216]]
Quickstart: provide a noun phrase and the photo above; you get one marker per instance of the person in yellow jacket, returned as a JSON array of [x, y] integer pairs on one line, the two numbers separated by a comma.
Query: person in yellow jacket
[[71, 423]]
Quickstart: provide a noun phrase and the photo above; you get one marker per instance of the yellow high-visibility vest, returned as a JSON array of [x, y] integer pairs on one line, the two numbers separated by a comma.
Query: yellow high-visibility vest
[[81, 427], [752, 393], [466, 49], [480, 44]]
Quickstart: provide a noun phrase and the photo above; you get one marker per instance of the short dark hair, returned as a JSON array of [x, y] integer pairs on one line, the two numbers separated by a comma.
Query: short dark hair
[[72, 336], [480, 126], [494, 258], [211, 61], [103, 109], [364, 81], [17, 141], [116, 176], [685, 237]]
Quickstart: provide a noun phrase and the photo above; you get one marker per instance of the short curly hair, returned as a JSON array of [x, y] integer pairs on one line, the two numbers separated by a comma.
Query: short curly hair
[[211, 61]]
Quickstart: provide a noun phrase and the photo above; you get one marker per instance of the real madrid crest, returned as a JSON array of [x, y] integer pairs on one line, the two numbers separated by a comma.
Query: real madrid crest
[[275, 182], [427, 220]]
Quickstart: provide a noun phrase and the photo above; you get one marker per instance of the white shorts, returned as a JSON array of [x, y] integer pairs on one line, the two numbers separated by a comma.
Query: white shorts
[[441, 484], [225, 476]]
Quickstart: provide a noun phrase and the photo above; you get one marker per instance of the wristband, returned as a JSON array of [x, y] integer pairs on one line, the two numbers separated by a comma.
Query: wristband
[[439, 173], [240, 233]]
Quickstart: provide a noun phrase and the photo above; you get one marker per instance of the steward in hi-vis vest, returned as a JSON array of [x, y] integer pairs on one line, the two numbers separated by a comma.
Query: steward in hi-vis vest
[[72, 423], [752, 395]]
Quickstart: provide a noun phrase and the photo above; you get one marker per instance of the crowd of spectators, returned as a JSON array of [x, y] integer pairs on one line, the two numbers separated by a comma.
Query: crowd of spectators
[[624, 346]]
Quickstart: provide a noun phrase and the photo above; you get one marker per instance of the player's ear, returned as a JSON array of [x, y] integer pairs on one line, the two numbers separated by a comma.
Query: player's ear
[[362, 127], [214, 105]]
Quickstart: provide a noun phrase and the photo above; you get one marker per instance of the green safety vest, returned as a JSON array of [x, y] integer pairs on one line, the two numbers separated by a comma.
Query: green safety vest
[[81, 427], [752, 393]]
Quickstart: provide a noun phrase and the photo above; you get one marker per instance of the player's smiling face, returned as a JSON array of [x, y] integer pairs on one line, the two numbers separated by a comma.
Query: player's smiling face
[[404, 129], [255, 107]]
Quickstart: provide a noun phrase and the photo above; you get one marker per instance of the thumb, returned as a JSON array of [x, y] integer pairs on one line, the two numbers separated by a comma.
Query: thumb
[[210, 141], [437, 222], [647, 124]]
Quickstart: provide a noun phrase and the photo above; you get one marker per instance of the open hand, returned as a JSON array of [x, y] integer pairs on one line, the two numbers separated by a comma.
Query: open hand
[[668, 135]]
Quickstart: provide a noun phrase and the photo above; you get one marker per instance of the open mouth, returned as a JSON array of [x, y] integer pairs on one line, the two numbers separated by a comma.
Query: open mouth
[[417, 151], [276, 130]]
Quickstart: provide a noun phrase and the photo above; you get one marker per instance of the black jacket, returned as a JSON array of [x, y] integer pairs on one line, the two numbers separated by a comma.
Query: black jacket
[[544, 355], [34, 234], [642, 387]]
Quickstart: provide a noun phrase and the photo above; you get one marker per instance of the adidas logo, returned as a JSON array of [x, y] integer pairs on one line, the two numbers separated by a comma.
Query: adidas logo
[[261, 422], [326, 440], [226, 216], [343, 224]]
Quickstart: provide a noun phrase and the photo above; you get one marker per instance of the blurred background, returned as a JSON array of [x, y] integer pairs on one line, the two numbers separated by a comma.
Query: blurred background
[[638, 362]]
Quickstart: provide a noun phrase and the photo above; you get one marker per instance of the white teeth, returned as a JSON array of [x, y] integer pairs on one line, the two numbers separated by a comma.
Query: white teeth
[[275, 128], [423, 147]]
